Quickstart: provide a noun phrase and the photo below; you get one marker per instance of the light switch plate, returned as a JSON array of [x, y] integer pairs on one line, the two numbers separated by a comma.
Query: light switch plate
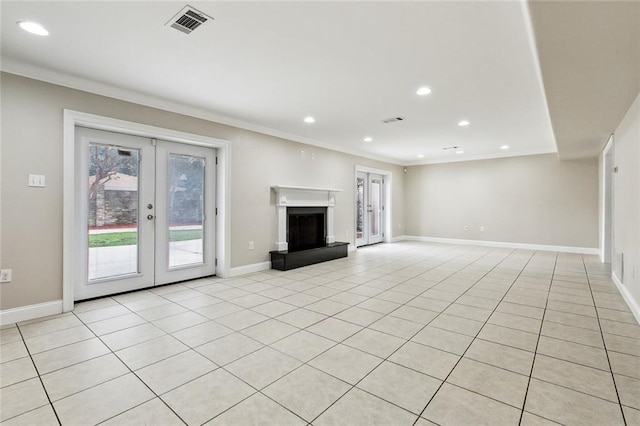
[[36, 181]]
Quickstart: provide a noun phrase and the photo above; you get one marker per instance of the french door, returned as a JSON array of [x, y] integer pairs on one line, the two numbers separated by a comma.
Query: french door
[[148, 215], [369, 208]]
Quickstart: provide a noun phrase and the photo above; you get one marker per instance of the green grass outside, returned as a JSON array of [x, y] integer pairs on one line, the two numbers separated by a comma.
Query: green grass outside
[[129, 238]]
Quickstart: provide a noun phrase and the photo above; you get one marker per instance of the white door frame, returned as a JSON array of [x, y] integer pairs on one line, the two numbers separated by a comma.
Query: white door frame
[[71, 197], [606, 203], [386, 225]]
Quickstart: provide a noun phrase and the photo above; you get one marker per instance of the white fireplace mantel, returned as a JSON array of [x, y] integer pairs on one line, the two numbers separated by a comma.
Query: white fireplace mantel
[[300, 196]]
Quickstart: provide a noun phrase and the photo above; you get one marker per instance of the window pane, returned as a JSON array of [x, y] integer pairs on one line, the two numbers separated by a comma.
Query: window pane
[[185, 210], [375, 208], [113, 211], [359, 207]]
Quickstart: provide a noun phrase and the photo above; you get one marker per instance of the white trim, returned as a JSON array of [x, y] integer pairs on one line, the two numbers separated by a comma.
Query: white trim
[[17, 67], [603, 203], [24, 313], [249, 269], [302, 196], [524, 246], [373, 170], [531, 35], [13, 66], [507, 154], [628, 298], [285, 189], [223, 200], [387, 188]]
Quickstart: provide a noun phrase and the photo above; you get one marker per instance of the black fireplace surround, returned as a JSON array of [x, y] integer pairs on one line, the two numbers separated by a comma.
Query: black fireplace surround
[[306, 240], [306, 228]]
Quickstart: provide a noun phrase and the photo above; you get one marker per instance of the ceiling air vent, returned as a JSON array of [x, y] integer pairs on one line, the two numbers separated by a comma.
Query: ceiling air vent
[[392, 120], [188, 19]]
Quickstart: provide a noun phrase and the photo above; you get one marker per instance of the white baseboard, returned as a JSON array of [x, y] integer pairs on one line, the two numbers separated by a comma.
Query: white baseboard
[[628, 298], [248, 269], [524, 246], [24, 313]]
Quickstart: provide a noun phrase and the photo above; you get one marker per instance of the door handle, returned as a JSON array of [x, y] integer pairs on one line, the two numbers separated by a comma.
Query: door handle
[[149, 216]]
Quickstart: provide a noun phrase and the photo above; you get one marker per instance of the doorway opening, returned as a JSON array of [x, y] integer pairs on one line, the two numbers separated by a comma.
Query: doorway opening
[[147, 222], [165, 193], [371, 195], [606, 237]]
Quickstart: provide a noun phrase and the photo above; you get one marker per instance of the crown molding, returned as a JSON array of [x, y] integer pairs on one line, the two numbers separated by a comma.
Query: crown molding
[[13, 66]]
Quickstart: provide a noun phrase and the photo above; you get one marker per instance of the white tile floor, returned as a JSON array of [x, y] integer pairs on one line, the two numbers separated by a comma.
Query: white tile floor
[[395, 334]]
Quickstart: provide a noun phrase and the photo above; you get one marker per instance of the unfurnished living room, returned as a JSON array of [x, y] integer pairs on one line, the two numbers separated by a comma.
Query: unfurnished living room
[[320, 213]]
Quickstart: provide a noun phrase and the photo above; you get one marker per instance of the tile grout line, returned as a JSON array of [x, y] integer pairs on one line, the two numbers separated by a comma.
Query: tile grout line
[[55, 412], [317, 273], [515, 279], [418, 331], [132, 372], [229, 372], [533, 362], [318, 355], [424, 326], [336, 344], [406, 341], [604, 343], [222, 367]]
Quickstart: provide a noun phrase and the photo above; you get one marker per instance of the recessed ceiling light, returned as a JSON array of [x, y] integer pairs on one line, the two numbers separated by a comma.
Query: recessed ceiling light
[[459, 151], [309, 120], [368, 139], [463, 123], [420, 155], [423, 91], [504, 147], [33, 28]]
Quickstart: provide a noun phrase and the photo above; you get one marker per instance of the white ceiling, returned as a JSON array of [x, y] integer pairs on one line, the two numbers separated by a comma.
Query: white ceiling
[[590, 59], [266, 65]]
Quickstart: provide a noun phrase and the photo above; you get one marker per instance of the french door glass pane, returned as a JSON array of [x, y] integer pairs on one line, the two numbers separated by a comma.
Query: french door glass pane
[[185, 210], [359, 207], [375, 207], [113, 211]]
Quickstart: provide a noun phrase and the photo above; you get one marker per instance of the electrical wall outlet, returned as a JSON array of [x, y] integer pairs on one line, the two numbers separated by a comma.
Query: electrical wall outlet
[[5, 276], [36, 181], [482, 229], [251, 246], [466, 228]]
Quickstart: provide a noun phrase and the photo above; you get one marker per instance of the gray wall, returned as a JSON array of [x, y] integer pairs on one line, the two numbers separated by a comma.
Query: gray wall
[[626, 197], [533, 199], [31, 218]]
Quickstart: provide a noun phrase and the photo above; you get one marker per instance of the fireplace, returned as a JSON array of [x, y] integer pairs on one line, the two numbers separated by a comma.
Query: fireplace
[[306, 228]]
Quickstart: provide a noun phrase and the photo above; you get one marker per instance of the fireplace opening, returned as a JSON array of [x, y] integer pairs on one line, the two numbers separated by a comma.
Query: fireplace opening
[[306, 228]]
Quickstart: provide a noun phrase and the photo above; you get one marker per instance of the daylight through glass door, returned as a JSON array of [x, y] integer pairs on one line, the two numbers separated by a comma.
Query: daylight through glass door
[[369, 208], [148, 212], [185, 210], [113, 211]]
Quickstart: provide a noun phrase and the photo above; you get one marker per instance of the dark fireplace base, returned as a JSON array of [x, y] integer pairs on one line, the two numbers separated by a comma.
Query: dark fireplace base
[[284, 260]]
